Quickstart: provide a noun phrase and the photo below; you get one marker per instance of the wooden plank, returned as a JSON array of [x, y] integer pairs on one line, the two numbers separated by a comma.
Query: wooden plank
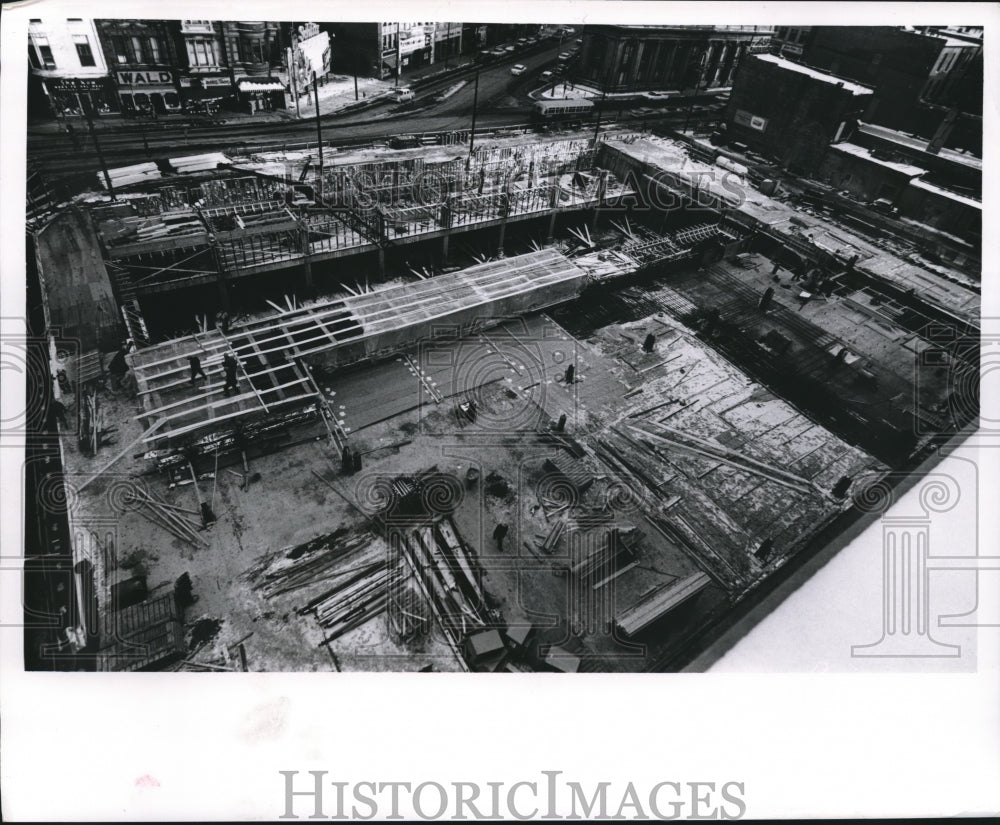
[[144, 436], [660, 602], [216, 420]]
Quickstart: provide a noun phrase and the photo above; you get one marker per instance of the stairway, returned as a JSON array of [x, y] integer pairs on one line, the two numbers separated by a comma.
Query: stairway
[[128, 304]]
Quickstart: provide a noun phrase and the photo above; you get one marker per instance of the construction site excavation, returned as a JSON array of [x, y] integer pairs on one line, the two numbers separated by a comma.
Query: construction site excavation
[[550, 402]]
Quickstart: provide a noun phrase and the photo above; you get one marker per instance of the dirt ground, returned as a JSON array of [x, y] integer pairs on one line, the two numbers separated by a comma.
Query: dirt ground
[[401, 416]]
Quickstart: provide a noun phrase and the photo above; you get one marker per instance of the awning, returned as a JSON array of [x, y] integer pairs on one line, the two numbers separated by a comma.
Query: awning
[[261, 86]]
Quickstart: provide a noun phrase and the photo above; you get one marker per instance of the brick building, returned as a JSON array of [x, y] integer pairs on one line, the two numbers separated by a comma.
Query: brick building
[[791, 112], [143, 57], [68, 74], [905, 66]]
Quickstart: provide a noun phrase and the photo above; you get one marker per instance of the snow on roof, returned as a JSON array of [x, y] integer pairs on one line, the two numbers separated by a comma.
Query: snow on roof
[[854, 88], [904, 139], [937, 190], [862, 152]]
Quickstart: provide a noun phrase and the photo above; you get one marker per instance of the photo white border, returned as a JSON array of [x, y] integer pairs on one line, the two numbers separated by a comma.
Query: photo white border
[[207, 746]]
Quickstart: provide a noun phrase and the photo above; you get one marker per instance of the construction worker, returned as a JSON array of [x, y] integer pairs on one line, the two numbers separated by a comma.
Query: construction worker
[[649, 343], [195, 364], [57, 413], [222, 321], [499, 534], [230, 365]]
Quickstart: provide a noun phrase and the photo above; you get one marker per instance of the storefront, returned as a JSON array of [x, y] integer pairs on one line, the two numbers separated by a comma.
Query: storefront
[[207, 94], [152, 91], [263, 94], [69, 96]]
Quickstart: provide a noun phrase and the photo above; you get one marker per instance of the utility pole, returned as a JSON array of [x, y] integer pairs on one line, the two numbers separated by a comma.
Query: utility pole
[[475, 103], [357, 60], [447, 45], [597, 126], [295, 85], [319, 136], [97, 145], [398, 56]]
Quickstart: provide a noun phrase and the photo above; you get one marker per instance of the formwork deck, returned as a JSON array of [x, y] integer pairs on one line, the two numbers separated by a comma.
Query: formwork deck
[[272, 376]]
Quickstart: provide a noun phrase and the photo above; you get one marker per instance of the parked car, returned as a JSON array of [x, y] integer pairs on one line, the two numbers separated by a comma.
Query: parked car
[[509, 48], [562, 57], [518, 68], [548, 73], [521, 42], [403, 94], [404, 142], [884, 206]]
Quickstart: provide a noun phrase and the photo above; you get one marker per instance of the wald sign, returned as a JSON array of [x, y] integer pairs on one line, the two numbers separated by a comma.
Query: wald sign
[[150, 78]]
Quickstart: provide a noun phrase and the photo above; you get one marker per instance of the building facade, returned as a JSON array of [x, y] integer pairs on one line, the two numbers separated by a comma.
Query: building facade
[[683, 59], [906, 66], [143, 58], [791, 112], [447, 41], [206, 80], [68, 74], [256, 50]]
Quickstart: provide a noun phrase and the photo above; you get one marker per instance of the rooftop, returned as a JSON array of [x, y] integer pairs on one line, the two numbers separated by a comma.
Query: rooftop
[[861, 152], [788, 65], [946, 193], [913, 142]]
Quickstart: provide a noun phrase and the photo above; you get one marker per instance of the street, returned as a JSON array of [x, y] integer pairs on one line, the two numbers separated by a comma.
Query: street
[[502, 101]]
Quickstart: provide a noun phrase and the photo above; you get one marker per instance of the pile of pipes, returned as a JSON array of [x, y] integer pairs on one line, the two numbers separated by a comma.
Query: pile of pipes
[[198, 163], [129, 175]]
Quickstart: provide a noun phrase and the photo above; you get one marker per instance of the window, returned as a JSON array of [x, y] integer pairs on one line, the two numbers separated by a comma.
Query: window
[[83, 50], [33, 58], [153, 44], [118, 47], [139, 55], [45, 52], [202, 52]]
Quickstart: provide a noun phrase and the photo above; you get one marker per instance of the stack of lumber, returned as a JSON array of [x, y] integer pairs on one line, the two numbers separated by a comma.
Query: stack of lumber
[[131, 229], [198, 163], [659, 602], [596, 554], [449, 578], [407, 614], [572, 471], [357, 598], [176, 520], [319, 565], [129, 175]]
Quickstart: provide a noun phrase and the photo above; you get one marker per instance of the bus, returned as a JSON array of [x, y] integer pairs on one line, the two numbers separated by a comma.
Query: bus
[[549, 111]]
